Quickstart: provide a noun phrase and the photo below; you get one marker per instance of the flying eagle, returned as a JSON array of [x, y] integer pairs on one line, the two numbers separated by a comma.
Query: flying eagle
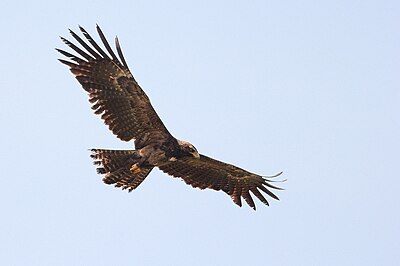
[[126, 109]]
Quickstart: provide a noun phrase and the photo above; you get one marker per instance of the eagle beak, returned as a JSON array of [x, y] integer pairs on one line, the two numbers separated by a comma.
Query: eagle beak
[[196, 155]]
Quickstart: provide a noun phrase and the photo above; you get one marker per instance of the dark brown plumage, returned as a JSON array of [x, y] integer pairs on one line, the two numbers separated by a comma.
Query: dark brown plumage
[[126, 109]]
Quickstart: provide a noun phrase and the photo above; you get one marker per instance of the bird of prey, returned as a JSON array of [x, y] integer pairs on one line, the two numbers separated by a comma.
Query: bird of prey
[[127, 111]]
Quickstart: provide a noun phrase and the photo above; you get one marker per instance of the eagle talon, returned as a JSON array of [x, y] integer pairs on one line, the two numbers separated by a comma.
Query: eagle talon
[[135, 168]]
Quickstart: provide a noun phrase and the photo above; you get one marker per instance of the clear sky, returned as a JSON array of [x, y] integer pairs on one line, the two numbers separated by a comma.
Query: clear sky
[[310, 88]]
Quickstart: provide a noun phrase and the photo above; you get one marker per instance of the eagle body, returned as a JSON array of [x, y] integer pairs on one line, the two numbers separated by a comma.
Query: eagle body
[[128, 113], [160, 154]]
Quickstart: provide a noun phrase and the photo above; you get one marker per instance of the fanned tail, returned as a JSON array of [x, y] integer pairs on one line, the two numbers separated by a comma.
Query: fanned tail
[[117, 165]]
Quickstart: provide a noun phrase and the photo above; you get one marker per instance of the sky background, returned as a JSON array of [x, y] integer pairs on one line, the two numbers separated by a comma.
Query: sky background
[[310, 88]]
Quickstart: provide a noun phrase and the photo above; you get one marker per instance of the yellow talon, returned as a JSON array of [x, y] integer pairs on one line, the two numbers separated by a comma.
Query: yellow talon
[[135, 168]]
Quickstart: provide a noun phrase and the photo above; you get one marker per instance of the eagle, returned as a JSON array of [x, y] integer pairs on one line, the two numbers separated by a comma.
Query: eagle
[[126, 110]]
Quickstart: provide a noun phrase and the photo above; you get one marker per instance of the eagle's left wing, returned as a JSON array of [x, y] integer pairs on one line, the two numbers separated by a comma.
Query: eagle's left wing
[[206, 172], [113, 91]]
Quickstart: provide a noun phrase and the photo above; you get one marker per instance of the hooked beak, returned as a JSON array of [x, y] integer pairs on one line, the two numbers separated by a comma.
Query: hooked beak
[[196, 155]]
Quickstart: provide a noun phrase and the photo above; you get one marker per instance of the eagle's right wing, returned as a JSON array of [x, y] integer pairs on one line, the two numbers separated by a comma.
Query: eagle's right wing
[[113, 91], [205, 172]]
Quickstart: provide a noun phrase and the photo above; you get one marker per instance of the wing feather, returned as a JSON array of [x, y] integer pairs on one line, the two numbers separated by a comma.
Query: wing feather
[[87, 47], [120, 54], [112, 90], [106, 44], [70, 56], [93, 43], [210, 173], [258, 194], [77, 49]]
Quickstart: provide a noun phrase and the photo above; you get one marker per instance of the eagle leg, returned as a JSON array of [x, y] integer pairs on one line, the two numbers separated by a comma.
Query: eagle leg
[[135, 168]]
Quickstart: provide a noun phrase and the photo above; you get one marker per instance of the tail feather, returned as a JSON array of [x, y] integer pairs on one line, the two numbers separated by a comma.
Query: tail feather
[[116, 165]]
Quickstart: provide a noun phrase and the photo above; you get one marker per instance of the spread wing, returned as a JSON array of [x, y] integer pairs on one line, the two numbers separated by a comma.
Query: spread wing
[[206, 172], [113, 91]]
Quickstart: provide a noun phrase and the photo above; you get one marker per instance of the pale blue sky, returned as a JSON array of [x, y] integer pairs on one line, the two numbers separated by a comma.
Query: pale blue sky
[[310, 88]]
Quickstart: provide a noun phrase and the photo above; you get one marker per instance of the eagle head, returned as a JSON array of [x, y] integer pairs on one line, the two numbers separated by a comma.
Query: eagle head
[[188, 149]]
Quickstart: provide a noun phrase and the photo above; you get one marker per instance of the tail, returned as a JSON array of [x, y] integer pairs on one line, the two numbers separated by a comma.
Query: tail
[[116, 165]]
